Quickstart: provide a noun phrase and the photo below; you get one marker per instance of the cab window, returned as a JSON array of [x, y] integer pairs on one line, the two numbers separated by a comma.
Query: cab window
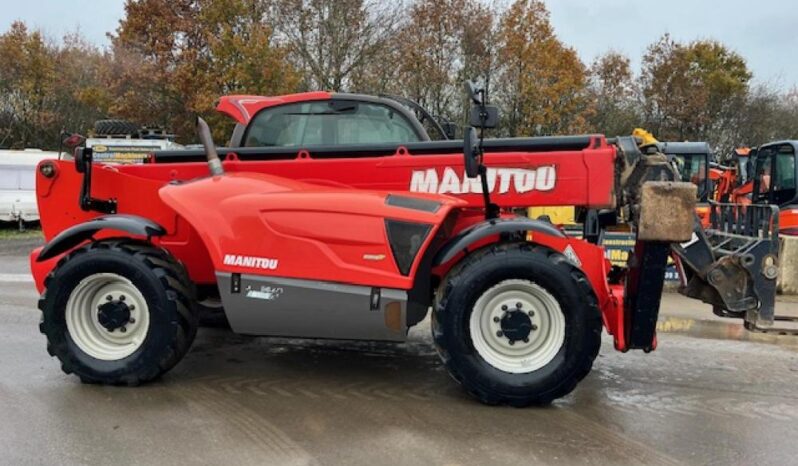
[[693, 169], [328, 123], [762, 188], [775, 175], [784, 182]]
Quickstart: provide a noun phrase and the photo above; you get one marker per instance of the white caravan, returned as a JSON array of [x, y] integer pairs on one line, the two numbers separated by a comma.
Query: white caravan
[[18, 184]]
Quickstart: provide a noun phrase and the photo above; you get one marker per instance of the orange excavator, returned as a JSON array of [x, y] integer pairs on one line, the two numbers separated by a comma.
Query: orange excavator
[[732, 182]]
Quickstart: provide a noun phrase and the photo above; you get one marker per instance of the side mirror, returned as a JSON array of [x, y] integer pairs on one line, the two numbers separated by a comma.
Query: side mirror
[[484, 116], [471, 152], [82, 154], [449, 129]]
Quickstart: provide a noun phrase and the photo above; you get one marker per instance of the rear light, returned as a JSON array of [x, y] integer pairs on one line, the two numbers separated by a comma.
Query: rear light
[[74, 140], [406, 239], [47, 169]]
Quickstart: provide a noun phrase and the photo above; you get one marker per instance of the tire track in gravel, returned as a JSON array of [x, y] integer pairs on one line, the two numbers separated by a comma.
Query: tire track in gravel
[[636, 452], [270, 444], [296, 387]]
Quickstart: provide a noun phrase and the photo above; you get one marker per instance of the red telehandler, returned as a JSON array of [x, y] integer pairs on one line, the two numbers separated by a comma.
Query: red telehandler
[[335, 216]]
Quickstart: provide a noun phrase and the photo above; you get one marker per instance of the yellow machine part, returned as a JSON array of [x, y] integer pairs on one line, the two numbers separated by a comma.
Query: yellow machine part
[[647, 138], [561, 215]]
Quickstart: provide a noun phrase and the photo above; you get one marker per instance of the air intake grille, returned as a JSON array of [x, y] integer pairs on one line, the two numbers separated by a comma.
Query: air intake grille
[[406, 239]]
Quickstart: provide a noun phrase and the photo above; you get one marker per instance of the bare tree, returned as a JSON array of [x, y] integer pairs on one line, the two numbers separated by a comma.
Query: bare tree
[[333, 40], [443, 43]]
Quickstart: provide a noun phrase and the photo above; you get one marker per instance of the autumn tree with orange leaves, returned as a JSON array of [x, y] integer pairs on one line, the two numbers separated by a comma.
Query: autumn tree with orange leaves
[[691, 91], [614, 96], [46, 87], [541, 84], [172, 65]]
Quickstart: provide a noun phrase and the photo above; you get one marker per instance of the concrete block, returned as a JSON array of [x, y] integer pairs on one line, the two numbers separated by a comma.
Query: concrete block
[[667, 210], [788, 265]]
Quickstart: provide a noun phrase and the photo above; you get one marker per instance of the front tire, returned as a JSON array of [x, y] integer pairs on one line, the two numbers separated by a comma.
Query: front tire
[[118, 312], [517, 324]]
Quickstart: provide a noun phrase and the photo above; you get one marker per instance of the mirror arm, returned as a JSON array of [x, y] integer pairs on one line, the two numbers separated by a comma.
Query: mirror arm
[[492, 210], [86, 202]]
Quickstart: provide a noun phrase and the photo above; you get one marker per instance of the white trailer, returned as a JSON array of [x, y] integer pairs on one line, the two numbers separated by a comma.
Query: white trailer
[[18, 184]]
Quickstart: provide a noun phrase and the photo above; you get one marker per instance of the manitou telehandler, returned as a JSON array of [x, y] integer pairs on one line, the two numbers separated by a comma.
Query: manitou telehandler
[[334, 216]]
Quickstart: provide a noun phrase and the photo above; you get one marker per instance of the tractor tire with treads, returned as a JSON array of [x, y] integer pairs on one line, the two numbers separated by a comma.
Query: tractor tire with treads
[[517, 324], [118, 312], [115, 128]]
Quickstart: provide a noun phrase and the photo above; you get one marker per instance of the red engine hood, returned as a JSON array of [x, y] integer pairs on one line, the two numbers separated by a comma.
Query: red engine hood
[[301, 230]]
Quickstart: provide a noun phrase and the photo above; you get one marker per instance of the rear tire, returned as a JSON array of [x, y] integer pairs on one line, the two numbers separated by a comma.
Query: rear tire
[[517, 324], [142, 331]]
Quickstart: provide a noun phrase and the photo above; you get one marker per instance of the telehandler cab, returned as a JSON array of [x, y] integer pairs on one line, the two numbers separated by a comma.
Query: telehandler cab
[[334, 216]]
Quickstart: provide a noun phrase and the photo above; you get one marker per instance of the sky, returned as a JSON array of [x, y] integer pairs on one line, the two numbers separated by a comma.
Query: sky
[[765, 32]]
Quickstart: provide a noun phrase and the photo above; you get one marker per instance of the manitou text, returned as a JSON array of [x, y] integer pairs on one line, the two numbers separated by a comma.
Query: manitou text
[[500, 180], [250, 262]]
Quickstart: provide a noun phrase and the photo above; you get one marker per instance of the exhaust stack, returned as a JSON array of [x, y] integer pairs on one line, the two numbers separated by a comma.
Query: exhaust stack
[[205, 137]]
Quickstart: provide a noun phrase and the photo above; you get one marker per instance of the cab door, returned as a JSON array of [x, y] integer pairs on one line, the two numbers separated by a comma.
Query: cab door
[[775, 183]]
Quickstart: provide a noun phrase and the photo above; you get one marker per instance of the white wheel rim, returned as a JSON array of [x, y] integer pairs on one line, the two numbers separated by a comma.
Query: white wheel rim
[[544, 313], [83, 323]]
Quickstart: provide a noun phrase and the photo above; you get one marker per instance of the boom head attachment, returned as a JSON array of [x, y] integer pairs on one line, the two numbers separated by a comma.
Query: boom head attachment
[[734, 265]]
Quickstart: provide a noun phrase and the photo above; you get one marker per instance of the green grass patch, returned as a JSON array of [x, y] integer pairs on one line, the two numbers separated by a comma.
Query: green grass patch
[[11, 231]]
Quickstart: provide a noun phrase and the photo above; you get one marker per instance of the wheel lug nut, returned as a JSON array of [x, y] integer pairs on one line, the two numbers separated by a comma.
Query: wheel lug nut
[[534, 327], [504, 307], [121, 297], [122, 329], [531, 313], [132, 307], [496, 319], [109, 298], [512, 342], [499, 333], [132, 320], [519, 305], [526, 340]]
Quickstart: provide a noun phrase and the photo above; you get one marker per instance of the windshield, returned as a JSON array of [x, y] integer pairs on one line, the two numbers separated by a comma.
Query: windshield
[[328, 123]]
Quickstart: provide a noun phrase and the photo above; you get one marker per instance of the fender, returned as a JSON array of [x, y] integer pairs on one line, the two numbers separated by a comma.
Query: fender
[[471, 235], [81, 232]]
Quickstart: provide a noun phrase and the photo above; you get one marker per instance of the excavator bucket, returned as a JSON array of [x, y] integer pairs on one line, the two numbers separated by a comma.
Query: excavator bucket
[[734, 265]]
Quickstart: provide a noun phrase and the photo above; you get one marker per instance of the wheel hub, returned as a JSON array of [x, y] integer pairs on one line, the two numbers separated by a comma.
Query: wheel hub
[[107, 316], [516, 326], [113, 315]]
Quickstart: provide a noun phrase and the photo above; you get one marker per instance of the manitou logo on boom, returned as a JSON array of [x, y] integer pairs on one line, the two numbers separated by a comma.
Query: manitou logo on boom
[[500, 180], [250, 262]]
